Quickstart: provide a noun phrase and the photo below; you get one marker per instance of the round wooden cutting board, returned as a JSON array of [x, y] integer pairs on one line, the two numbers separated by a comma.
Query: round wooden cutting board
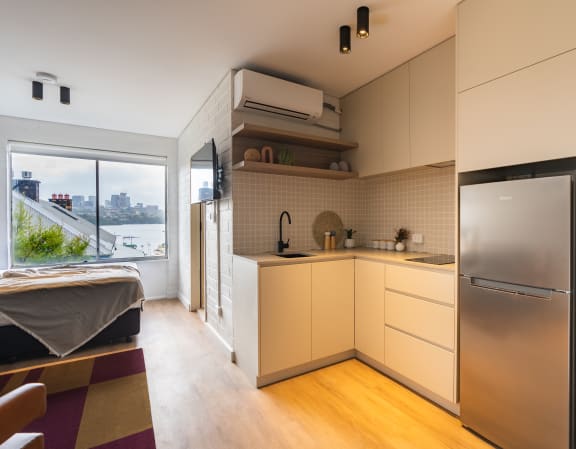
[[327, 221]]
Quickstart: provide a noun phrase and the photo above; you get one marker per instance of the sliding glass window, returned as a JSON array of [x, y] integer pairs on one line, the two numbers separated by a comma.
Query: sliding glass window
[[73, 205]]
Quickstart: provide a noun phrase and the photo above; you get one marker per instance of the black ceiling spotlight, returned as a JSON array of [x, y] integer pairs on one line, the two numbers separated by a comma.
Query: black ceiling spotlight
[[64, 95], [362, 22], [345, 46], [37, 90]]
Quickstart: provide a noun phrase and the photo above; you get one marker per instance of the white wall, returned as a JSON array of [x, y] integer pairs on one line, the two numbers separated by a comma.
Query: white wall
[[159, 276], [212, 121]]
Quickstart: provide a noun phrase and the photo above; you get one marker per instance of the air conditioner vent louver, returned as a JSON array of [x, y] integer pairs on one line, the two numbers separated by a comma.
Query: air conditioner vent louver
[[261, 93]]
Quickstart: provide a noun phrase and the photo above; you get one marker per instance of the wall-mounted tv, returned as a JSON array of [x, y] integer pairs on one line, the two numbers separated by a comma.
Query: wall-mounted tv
[[205, 174]]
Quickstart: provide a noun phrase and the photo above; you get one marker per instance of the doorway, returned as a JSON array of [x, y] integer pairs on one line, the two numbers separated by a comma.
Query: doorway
[[198, 259]]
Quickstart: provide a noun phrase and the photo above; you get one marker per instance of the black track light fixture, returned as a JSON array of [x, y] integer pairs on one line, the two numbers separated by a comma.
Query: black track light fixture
[[37, 90], [345, 46], [362, 22], [64, 95]]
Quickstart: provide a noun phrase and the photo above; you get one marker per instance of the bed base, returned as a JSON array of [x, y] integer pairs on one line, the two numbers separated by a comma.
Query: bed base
[[15, 344]]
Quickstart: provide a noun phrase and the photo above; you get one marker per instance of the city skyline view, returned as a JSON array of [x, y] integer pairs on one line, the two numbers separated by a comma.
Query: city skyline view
[[76, 177]]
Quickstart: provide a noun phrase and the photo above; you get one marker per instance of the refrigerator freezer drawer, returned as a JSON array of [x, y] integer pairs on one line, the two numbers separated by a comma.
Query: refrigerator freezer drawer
[[515, 367]]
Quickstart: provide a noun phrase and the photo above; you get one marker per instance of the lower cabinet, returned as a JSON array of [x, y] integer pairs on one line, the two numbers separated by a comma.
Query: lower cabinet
[[426, 364], [332, 308], [285, 316], [369, 307], [293, 318]]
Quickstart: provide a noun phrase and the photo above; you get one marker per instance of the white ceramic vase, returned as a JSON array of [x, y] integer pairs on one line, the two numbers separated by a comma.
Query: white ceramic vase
[[349, 243], [400, 246]]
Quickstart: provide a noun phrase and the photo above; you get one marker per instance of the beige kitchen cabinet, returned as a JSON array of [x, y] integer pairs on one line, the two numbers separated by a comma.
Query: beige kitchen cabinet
[[496, 37], [332, 308], [435, 285], [361, 120], [524, 117], [433, 105], [378, 117], [424, 319], [369, 308], [405, 118], [285, 316], [420, 335], [428, 365], [395, 120]]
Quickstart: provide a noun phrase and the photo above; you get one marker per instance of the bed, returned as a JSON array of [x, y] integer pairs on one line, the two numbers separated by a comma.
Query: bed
[[56, 310]]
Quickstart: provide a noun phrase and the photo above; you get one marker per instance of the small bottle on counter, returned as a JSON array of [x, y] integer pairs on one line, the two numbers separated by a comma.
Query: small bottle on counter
[[327, 244], [333, 240]]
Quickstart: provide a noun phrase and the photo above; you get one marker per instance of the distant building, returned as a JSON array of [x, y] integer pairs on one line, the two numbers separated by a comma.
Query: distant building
[[77, 202], [121, 201], [27, 186]]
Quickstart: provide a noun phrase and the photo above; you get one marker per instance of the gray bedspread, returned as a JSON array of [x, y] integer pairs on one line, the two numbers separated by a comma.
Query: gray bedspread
[[64, 307]]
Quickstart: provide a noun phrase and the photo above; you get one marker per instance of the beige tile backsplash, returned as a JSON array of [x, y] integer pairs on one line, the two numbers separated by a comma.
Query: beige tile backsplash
[[421, 200]]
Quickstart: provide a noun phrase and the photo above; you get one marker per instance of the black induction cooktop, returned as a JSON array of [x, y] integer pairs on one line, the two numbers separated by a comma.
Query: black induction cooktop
[[437, 259]]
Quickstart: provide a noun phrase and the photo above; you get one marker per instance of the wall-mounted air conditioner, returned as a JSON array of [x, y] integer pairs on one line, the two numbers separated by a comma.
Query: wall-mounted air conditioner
[[257, 92]]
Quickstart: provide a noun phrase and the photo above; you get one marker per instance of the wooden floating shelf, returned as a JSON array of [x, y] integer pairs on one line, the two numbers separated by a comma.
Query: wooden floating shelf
[[292, 170], [281, 135]]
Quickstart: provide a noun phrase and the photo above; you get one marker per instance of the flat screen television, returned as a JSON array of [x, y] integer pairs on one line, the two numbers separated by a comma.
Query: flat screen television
[[205, 174]]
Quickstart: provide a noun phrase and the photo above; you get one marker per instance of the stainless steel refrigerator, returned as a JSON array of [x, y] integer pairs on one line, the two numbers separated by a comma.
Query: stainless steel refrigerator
[[516, 287]]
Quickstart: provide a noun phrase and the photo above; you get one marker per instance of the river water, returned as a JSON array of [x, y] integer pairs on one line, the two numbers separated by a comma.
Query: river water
[[148, 238]]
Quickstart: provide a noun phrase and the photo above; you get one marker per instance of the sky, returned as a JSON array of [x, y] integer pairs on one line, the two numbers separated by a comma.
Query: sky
[[143, 183]]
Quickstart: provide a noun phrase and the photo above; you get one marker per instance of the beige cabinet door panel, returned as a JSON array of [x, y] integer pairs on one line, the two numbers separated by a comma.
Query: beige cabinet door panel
[[332, 308], [527, 116], [498, 37], [361, 116], [395, 120], [285, 317], [422, 362], [430, 321], [369, 307], [436, 285], [433, 105]]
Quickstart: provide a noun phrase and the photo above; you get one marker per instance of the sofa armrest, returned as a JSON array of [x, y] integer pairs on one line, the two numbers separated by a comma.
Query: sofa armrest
[[20, 407]]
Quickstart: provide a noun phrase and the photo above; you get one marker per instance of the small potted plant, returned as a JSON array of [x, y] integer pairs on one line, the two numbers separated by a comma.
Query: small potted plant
[[349, 241], [401, 235]]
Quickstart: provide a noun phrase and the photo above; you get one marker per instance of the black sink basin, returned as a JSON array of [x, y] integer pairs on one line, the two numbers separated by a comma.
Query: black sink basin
[[293, 255]]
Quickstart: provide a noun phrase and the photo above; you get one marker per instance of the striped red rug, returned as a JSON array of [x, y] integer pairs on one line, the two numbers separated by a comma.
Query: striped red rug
[[99, 403]]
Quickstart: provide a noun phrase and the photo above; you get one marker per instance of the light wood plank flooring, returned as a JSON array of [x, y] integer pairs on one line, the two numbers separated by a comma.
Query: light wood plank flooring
[[202, 401]]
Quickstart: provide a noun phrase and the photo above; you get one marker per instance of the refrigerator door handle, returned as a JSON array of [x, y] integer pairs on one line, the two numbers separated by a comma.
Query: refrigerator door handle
[[512, 289]]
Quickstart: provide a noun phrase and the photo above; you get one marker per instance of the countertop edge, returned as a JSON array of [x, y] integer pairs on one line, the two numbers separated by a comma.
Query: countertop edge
[[271, 260]]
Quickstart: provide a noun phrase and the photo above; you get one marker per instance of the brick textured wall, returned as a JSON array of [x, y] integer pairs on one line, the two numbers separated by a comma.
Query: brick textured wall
[[213, 120]]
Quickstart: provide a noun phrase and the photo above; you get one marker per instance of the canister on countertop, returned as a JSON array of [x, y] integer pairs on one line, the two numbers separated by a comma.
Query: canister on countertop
[[333, 240], [327, 239]]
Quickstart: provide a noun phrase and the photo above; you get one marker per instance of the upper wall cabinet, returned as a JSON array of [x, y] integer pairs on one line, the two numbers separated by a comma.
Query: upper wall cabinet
[[405, 118], [498, 37], [527, 116], [361, 123], [432, 105]]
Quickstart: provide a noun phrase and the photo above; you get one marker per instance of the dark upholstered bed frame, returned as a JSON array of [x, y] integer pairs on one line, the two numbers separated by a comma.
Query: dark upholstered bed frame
[[15, 344]]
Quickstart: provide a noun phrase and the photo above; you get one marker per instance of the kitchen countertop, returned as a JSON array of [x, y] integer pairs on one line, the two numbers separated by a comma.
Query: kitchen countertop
[[270, 259]]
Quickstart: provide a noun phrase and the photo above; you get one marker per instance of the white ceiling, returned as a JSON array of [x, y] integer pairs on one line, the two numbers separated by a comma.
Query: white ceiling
[[146, 66]]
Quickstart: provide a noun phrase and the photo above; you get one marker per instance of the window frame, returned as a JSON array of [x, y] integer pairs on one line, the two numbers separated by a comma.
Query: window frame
[[96, 155]]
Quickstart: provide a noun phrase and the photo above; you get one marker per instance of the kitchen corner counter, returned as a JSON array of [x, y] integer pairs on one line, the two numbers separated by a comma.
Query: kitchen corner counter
[[270, 259]]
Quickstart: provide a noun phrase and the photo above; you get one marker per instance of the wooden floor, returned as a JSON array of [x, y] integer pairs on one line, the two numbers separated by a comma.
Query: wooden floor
[[202, 401]]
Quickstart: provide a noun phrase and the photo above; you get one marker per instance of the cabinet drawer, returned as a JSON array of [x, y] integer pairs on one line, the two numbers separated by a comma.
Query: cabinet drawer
[[425, 283], [421, 362], [427, 320]]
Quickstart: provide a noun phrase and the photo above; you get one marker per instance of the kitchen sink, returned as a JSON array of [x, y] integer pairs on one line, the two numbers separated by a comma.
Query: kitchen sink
[[293, 255]]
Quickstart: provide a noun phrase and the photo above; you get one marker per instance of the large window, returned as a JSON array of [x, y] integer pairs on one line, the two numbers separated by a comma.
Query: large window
[[78, 205]]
